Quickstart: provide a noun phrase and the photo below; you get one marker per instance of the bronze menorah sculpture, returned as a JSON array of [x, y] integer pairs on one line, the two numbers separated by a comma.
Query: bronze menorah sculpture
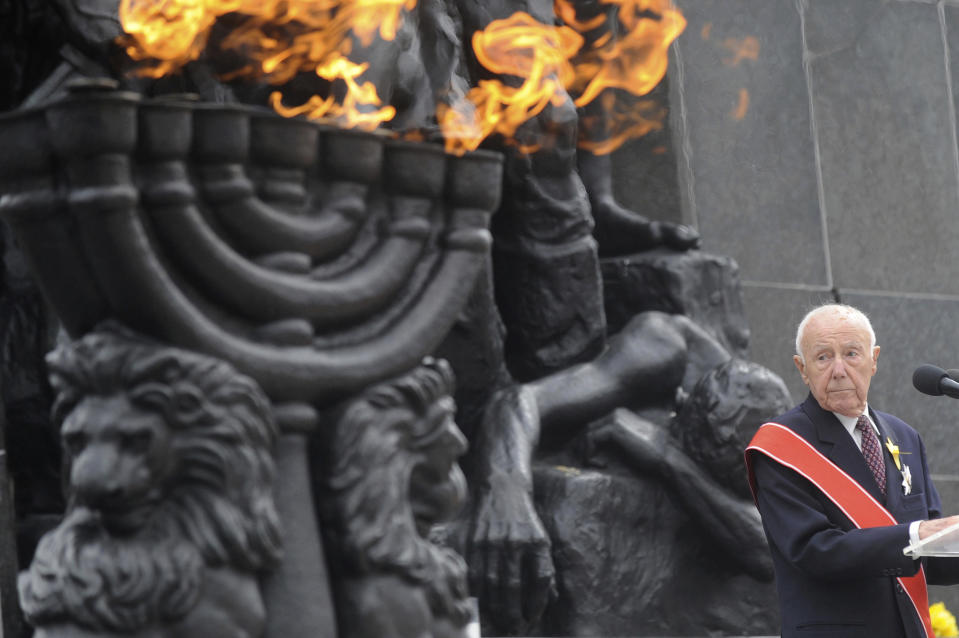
[[315, 260]]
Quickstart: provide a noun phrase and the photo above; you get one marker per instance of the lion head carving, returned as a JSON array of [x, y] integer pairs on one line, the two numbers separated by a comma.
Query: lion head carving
[[391, 475], [168, 473]]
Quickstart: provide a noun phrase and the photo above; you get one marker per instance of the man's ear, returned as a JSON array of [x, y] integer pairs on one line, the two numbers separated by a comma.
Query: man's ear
[[801, 367]]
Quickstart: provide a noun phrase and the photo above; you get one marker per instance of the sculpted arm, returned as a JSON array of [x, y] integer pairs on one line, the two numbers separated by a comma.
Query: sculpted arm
[[732, 522], [508, 551]]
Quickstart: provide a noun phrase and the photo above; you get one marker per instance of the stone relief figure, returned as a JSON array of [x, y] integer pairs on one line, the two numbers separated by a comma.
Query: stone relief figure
[[390, 475], [618, 230], [546, 272], [169, 475], [705, 536], [643, 366], [568, 372], [548, 291]]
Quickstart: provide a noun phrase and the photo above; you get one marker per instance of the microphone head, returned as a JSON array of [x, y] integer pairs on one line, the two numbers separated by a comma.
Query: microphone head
[[926, 379]]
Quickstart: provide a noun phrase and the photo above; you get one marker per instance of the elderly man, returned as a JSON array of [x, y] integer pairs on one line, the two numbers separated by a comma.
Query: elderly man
[[842, 489]]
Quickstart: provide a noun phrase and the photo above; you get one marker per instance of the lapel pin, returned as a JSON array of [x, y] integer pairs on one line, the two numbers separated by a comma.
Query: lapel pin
[[895, 453], [906, 480]]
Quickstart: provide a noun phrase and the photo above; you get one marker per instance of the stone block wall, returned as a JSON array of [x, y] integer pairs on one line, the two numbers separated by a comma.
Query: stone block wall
[[815, 143]]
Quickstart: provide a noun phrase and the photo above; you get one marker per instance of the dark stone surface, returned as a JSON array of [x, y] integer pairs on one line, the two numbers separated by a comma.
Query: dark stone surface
[[550, 298], [645, 177], [593, 590], [11, 622], [702, 286], [31, 32], [910, 332], [31, 497], [887, 147], [474, 347], [750, 183], [627, 556], [773, 314], [951, 23]]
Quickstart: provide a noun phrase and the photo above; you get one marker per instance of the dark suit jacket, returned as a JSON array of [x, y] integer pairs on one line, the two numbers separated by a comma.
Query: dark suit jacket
[[834, 579]]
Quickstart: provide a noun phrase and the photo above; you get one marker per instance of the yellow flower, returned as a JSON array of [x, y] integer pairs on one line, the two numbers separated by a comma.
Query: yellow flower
[[894, 450], [943, 622]]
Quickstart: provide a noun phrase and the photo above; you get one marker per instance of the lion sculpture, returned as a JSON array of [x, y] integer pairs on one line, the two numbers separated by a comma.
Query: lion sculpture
[[391, 474], [170, 517]]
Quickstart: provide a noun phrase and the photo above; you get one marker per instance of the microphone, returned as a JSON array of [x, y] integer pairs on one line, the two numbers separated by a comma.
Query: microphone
[[935, 381]]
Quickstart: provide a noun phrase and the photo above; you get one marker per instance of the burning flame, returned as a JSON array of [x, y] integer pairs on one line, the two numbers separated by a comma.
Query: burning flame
[[634, 60], [620, 121], [622, 48], [632, 63], [583, 58], [279, 38], [172, 32], [521, 47]]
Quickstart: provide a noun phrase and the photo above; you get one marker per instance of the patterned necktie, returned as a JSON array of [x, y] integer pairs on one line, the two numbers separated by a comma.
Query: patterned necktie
[[872, 452]]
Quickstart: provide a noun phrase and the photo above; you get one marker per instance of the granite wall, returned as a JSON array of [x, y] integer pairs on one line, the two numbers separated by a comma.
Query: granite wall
[[815, 143]]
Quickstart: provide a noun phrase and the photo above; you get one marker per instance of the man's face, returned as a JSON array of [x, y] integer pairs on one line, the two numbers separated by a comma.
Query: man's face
[[838, 363]]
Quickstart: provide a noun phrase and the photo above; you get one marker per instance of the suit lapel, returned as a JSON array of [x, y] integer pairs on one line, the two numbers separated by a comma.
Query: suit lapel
[[840, 448]]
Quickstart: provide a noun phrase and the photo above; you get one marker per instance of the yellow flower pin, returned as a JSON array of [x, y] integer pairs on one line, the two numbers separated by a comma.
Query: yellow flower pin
[[894, 450]]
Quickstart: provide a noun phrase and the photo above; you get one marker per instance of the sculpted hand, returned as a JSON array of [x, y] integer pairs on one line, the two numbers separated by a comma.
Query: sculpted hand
[[930, 527], [511, 569], [642, 441]]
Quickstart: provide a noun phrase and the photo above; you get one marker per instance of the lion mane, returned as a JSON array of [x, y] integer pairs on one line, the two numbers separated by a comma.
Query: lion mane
[[217, 509], [379, 440]]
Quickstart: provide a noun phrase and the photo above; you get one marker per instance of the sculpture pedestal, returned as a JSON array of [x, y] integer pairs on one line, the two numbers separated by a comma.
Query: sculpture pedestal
[[702, 286], [12, 621], [297, 593], [629, 562]]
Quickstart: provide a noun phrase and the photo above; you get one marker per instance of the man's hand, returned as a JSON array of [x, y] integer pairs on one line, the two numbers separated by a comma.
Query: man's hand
[[511, 569], [930, 527]]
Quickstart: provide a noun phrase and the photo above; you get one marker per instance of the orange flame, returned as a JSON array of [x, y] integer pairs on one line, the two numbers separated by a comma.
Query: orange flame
[[621, 121], [280, 38], [543, 57], [283, 38], [636, 59], [172, 32], [519, 47]]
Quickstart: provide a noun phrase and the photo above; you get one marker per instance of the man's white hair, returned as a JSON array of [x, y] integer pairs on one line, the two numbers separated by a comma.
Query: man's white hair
[[843, 309]]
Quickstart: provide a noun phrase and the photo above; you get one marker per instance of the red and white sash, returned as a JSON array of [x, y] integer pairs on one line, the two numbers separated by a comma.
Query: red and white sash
[[791, 450]]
